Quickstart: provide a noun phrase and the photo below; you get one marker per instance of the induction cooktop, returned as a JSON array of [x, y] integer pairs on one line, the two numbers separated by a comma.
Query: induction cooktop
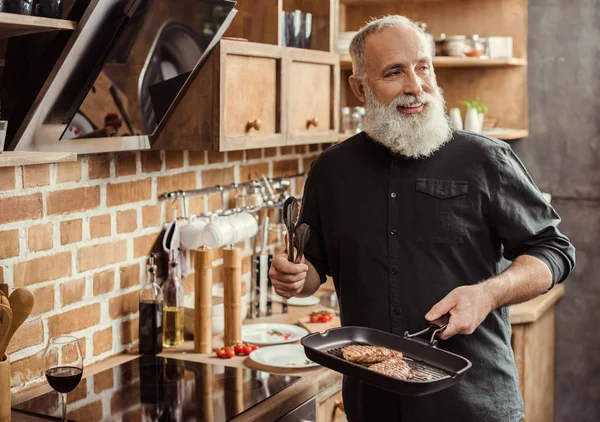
[[152, 388]]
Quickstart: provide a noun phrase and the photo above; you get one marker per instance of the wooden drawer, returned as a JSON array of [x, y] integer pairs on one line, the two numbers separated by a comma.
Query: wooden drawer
[[331, 409]]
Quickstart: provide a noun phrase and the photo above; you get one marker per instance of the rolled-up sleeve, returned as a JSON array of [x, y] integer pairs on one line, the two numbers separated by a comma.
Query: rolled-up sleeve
[[315, 250], [525, 222]]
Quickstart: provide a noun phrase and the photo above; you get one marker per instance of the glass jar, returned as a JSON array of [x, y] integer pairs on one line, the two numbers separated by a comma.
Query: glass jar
[[455, 45], [474, 47]]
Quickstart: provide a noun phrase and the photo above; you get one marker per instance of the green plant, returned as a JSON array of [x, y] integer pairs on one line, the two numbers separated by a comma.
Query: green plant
[[479, 106]]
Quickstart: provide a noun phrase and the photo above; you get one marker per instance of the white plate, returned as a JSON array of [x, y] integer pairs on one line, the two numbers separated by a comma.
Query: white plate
[[299, 301], [282, 356], [266, 333]]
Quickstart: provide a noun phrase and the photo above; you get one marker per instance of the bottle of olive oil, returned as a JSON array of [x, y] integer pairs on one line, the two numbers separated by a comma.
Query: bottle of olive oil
[[173, 309], [151, 313]]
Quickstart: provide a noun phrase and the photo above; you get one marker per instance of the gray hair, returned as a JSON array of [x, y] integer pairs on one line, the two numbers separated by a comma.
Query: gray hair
[[357, 46]]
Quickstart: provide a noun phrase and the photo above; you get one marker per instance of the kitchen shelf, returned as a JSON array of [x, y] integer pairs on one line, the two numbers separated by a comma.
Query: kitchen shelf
[[12, 25], [18, 158], [502, 134], [443, 61]]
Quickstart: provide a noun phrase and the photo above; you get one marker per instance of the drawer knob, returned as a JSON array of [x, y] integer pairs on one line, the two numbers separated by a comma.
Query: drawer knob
[[312, 122], [253, 124], [339, 405]]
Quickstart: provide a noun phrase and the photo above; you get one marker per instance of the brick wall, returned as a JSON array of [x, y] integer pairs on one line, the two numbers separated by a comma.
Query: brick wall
[[78, 235]]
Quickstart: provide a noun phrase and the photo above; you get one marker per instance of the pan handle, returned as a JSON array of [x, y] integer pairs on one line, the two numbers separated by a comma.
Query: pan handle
[[436, 327]]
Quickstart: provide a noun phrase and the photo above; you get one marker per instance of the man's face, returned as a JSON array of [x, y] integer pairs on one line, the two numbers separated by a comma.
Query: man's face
[[405, 109]]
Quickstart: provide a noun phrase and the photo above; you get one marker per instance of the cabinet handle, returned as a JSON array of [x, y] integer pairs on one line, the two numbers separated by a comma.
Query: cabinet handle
[[312, 122], [253, 124], [338, 405]]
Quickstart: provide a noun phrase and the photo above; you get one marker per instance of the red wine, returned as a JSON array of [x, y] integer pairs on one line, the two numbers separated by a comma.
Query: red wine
[[64, 378], [151, 327]]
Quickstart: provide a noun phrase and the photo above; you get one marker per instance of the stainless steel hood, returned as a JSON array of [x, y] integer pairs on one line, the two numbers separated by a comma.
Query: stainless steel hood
[[121, 75]]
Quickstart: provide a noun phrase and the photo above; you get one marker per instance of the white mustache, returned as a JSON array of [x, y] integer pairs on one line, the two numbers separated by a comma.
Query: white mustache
[[411, 100]]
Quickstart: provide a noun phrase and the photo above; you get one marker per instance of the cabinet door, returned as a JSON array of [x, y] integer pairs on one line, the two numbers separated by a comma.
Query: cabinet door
[[313, 99], [331, 409], [250, 115]]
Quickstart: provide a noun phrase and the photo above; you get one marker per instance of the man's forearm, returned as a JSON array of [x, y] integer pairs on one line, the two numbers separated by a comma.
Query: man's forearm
[[526, 278], [312, 282]]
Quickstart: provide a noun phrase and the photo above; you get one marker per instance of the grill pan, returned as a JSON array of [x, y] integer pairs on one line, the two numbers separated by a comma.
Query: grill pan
[[435, 369]]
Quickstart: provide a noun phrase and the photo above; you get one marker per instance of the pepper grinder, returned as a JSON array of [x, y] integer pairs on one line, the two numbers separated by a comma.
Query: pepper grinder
[[203, 259], [232, 264]]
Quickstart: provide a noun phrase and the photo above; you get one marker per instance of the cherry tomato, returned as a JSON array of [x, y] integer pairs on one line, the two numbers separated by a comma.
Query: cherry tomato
[[229, 352], [238, 349], [326, 317], [254, 347], [247, 350], [221, 353], [314, 318]]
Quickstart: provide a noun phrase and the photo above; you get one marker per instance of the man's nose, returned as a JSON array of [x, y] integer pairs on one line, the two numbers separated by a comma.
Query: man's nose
[[412, 84]]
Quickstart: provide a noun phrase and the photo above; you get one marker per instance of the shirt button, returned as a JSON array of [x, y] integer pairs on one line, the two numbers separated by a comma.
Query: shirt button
[[393, 194], [394, 271], [393, 232], [396, 310], [442, 193]]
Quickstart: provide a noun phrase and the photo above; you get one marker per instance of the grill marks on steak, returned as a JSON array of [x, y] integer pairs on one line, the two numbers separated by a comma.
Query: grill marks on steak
[[368, 354], [394, 367]]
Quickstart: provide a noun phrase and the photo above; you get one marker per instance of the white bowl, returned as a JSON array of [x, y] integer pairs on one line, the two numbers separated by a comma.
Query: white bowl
[[218, 311]]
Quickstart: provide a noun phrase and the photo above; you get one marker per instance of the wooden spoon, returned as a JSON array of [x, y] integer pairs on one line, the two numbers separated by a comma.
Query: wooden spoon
[[5, 324], [21, 303]]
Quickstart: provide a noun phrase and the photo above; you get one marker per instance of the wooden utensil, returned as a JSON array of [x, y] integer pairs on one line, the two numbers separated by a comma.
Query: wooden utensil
[[4, 289], [4, 388], [21, 303], [232, 263], [6, 316]]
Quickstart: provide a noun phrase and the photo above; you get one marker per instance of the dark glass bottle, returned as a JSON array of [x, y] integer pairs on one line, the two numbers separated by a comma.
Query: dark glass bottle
[[151, 313], [50, 8]]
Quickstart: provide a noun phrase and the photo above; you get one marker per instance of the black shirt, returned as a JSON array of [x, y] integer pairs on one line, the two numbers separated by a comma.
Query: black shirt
[[398, 234]]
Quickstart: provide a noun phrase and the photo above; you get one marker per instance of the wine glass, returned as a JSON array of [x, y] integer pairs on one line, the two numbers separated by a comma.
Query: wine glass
[[64, 366]]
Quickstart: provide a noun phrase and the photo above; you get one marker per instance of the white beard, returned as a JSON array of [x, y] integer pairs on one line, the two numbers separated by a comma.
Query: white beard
[[411, 135]]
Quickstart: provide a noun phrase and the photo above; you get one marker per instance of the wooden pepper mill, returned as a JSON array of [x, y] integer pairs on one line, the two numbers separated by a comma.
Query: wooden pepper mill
[[4, 389], [232, 264], [203, 259]]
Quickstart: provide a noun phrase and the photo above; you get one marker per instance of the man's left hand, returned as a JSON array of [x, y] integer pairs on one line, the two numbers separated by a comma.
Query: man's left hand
[[467, 306]]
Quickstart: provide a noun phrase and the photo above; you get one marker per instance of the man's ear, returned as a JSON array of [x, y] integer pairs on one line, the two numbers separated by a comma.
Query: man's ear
[[358, 88]]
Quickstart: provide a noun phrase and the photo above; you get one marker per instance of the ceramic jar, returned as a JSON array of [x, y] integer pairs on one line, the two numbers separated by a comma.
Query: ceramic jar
[[455, 45]]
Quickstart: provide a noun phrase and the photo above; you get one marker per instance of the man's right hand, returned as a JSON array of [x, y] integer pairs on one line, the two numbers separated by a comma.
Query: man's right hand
[[287, 278]]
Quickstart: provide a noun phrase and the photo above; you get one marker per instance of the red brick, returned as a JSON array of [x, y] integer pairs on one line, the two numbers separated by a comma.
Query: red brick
[[7, 178], [18, 208], [44, 300], [26, 369], [126, 192], [145, 245], [104, 282], [215, 157], [125, 164], [126, 221], [195, 205], [72, 291], [75, 320], [151, 216], [286, 150], [248, 172], [214, 202], [213, 177], [300, 149], [99, 166], [233, 156], [151, 161], [29, 334], [285, 168], [91, 412], [70, 351], [41, 269], [130, 276], [196, 158], [314, 148], [69, 172], [270, 152], [126, 304], [40, 237], [9, 243], [101, 255], [130, 331], [100, 226], [174, 159], [72, 200], [124, 398], [183, 181], [70, 231], [36, 175], [103, 341], [103, 381], [253, 154]]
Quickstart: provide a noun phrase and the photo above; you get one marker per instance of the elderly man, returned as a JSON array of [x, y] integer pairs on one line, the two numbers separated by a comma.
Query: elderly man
[[412, 219]]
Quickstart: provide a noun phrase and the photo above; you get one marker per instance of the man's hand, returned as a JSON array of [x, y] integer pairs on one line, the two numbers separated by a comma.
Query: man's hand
[[287, 278], [467, 306]]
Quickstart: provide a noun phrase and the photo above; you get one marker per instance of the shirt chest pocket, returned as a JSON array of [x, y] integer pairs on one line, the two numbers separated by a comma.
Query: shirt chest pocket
[[440, 206]]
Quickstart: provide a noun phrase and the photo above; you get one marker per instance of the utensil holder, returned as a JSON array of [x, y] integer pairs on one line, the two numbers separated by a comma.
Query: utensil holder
[[232, 264], [203, 259], [5, 389]]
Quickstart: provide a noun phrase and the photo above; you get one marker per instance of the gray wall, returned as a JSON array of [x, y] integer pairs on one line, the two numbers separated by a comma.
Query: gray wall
[[563, 155]]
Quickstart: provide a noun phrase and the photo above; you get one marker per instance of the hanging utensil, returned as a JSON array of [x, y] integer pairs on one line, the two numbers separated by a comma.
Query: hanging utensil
[[21, 303], [302, 235], [5, 324]]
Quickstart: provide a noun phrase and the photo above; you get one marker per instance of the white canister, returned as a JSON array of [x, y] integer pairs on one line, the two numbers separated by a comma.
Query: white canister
[[472, 120], [455, 45], [456, 118]]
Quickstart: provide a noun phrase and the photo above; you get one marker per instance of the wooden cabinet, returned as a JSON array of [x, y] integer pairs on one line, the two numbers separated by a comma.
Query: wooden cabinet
[[330, 406]]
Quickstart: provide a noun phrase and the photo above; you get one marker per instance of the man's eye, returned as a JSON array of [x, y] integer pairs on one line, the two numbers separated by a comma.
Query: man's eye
[[394, 73]]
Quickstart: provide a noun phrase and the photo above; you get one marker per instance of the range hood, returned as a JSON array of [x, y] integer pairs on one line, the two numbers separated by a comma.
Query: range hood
[[120, 75]]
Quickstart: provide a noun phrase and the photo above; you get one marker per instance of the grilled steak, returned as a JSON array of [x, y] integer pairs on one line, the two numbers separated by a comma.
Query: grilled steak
[[368, 354], [394, 367]]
